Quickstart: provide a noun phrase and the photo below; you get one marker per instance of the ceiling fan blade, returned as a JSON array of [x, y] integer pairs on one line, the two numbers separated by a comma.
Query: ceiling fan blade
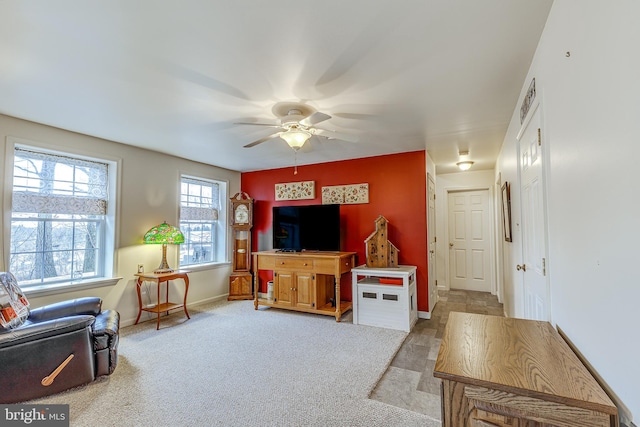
[[271, 125], [202, 79], [357, 116], [261, 140], [329, 134], [307, 147], [315, 118]]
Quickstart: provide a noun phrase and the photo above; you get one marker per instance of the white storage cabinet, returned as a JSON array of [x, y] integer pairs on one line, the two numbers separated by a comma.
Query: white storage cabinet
[[384, 305]]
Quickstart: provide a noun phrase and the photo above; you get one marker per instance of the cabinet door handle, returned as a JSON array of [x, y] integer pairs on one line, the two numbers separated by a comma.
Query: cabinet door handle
[[522, 267]]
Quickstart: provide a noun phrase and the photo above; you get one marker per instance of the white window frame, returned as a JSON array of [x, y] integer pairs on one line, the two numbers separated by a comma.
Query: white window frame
[[219, 226], [110, 223]]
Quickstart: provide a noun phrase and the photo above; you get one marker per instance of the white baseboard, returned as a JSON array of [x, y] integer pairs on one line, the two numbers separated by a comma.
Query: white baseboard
[[424, 315], [152, 316], [208, 300]]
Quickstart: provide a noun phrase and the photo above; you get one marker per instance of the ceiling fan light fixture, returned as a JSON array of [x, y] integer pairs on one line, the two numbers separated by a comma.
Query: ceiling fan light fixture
[[466, 165], [296, 137]]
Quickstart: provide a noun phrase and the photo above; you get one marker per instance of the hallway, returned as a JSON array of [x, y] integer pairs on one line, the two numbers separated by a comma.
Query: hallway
[[408, 382]]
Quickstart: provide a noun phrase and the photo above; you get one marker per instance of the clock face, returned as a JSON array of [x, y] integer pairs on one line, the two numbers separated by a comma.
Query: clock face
[[241, 215]]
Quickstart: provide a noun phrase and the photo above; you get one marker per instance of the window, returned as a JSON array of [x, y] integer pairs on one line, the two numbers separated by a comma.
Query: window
[[59, 218], [199, 211]]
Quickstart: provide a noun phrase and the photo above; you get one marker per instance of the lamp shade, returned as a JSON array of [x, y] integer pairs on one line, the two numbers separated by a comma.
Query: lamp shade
[[296, 137], [163, 234]]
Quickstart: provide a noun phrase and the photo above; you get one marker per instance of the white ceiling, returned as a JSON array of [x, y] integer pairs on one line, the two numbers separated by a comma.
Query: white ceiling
[[174, 76]]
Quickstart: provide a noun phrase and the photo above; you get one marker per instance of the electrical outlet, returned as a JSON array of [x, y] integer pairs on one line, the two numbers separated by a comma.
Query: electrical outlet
[[140, 268]]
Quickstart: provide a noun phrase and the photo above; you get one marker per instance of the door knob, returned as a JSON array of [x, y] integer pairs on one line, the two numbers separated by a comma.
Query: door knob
[[522, 267], [450, 245]]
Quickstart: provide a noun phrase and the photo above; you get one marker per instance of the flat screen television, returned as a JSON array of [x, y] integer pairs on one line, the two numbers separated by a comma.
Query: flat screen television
[[306, 228]]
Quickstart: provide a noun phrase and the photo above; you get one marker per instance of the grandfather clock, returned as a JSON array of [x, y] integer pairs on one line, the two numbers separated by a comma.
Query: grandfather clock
[[240, 281]]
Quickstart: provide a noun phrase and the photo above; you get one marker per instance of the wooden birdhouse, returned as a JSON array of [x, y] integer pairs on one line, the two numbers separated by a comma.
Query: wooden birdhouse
[[380, 251]]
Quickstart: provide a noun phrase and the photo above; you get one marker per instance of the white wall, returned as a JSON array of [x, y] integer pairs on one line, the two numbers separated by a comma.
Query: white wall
[[149, 195], [591, 131], [431, 166], [469, 180]]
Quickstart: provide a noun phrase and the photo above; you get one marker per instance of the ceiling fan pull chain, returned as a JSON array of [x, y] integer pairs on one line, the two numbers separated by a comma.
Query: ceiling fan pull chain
[[295, 162]]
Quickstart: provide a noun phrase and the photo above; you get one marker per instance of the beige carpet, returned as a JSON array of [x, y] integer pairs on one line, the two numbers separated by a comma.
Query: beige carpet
[[233, 366]]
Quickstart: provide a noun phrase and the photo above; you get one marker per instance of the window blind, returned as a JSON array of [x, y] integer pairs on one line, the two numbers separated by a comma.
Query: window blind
[[57, 184]]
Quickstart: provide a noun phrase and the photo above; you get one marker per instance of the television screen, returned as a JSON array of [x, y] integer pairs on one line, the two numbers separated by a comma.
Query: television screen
[[309, 228]]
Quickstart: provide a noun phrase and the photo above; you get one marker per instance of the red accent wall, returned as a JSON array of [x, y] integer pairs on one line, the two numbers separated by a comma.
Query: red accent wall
[[397, 190]]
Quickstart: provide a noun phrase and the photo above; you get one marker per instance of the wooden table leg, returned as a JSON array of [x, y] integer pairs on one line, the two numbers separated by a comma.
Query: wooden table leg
[[337, 298], [255, 282], [167, 299], [138, 284], [186, 291], [158, 311]]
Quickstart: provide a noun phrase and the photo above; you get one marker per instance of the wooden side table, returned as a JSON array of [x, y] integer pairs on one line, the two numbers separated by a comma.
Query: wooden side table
[[499, 371], [165, 306]]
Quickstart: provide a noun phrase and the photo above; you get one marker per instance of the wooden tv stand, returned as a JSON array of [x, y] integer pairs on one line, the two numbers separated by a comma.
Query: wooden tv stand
[[304, 281]]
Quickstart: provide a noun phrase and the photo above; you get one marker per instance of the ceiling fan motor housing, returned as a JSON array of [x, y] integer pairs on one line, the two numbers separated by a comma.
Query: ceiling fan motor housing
[[292, 119]]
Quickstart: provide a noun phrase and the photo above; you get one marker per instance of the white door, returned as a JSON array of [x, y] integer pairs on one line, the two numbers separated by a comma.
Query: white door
[[534, 243], [469, 240], [431, 232]]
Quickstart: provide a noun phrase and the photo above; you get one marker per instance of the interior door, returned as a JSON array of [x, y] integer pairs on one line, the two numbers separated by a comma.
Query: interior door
[[534, 242], [469, 240], [431, 232]]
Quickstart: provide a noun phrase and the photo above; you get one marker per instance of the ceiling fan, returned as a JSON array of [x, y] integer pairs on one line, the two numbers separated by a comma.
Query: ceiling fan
[[297, 125]]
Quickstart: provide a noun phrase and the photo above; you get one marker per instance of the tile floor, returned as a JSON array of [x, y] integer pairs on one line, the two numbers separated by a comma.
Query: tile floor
[[409, 382]]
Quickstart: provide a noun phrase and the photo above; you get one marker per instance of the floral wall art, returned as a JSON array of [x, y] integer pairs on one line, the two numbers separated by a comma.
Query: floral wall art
[[345, 194], [303, 190]]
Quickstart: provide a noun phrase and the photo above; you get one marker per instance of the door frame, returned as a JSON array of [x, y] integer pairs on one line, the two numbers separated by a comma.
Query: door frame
[[432, 278], [492, 244], [497, 237]]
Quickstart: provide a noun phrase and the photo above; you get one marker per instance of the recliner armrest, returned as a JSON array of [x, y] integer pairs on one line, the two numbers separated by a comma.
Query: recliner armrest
[[35, 331], [105, 330], [107, 323], [79, 306]]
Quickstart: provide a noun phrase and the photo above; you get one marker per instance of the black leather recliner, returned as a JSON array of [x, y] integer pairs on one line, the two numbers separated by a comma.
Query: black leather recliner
[[59, 346]]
